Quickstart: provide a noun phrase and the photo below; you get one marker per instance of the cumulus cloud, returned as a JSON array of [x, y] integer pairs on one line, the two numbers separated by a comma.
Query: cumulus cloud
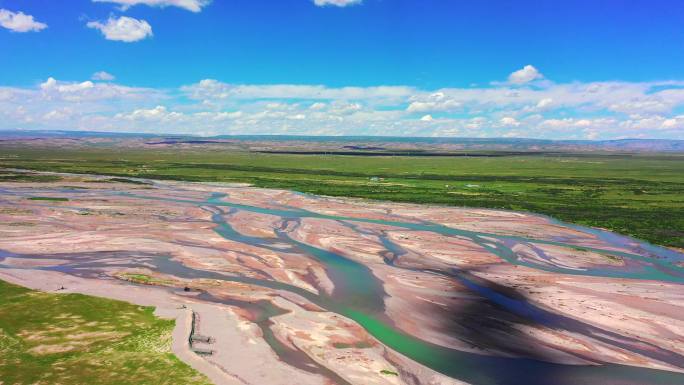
[[190, 5], [51, 84], [437, 101], [102, 75], [673, 123], [20, 22], [509, 122], [215, 90], [56, 90], [343, 108], [550, 110], [158, 113], [59, 114], [124, 28], [546, 102], [6, 94], [336, 3], [208, 89], [524, 75]]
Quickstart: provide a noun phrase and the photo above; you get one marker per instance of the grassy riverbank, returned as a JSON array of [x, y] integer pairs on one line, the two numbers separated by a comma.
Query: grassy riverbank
[[77, 339], [638, 195]]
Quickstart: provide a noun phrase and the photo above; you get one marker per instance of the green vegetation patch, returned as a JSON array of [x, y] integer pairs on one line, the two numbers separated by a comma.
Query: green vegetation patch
[[10, 176], [53, 199], [50, 338], [356, 345], [389, 372], [144, 279], [126, 180]]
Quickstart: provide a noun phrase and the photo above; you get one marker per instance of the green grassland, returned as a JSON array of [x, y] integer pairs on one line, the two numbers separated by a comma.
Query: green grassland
[[77, 339], [638, 195]]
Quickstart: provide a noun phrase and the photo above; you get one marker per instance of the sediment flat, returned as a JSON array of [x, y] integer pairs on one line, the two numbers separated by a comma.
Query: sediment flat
[[297, 288]]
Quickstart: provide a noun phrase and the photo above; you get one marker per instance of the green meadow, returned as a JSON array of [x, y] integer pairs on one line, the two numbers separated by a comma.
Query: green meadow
[[637, 195], [48, 338]]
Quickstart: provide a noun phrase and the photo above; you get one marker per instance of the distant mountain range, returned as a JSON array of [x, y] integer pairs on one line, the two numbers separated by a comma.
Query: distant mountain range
[[357, 144]]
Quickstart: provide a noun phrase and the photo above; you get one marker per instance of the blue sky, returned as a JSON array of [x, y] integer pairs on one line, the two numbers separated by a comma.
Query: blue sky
[[552, 69]]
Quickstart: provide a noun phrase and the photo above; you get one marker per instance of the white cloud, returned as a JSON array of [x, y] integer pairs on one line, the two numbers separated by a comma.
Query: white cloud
[[218, 116], [20, 22], [524, 75], [175, 120], [216, 91], [51, 84], [48, 84], [158, 113], [574, 124], [124, 28], [336, 3], [673, 123], [544, 103], [59, 114], [56, 90], [6, 94], [437, 101], [208, 89], [508, 121], [583, 123], [190, 5], [102, 75], [343, 108], [569, 111]]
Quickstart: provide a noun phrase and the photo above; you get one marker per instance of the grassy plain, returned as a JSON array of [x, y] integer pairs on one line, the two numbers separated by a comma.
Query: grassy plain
[[77, 339], [638, 195]]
